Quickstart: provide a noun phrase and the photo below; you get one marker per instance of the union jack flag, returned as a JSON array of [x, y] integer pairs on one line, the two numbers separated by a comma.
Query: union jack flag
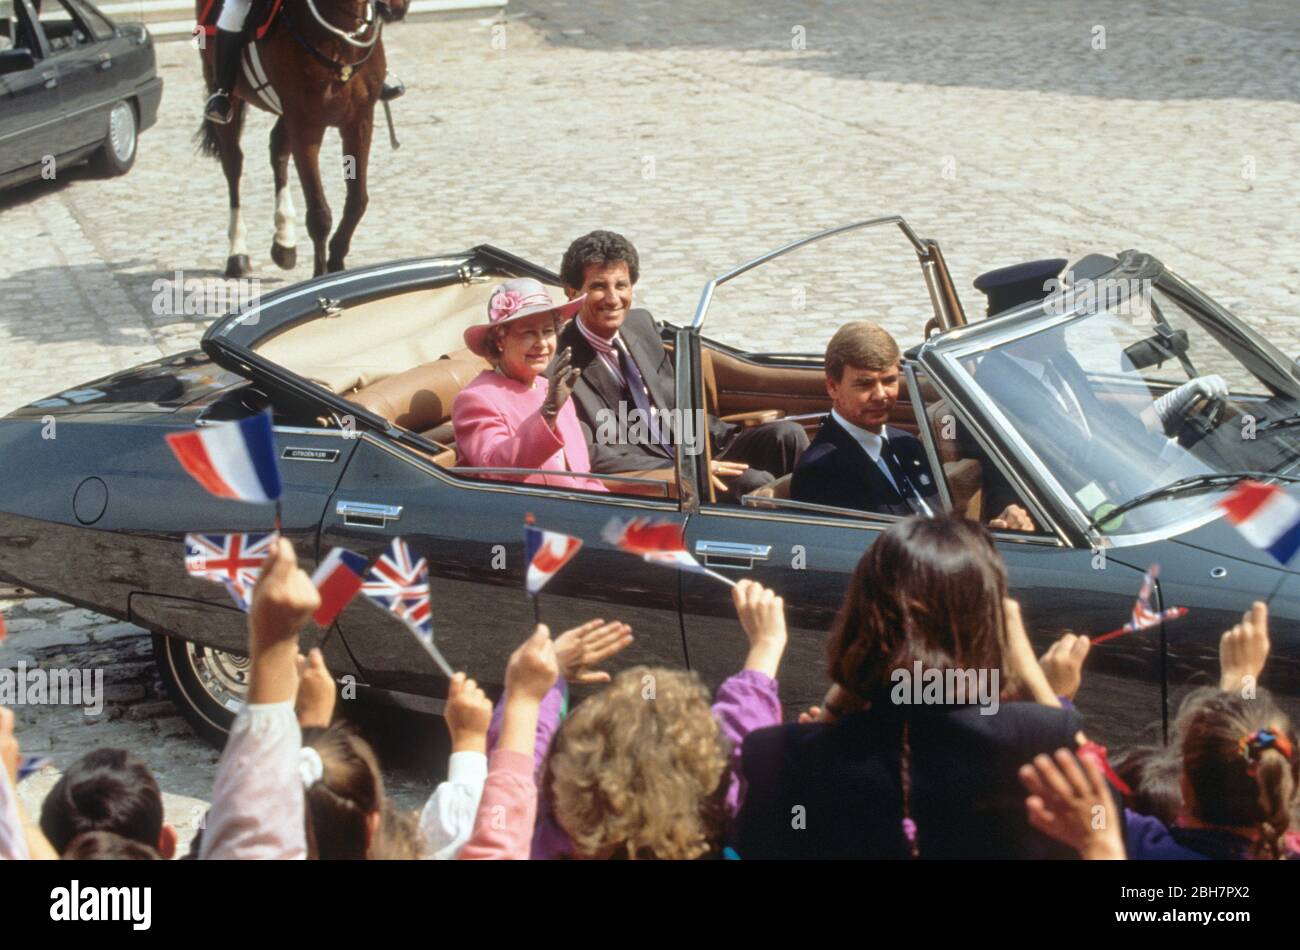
[[1145, 616], [231, 559], [400, 584]]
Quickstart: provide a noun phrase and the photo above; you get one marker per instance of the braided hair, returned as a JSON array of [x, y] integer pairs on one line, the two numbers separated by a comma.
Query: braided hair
[[1239, 759]]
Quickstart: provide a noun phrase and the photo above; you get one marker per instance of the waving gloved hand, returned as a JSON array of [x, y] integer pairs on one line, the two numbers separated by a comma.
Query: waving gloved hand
[[1174, 404], [563, 378]]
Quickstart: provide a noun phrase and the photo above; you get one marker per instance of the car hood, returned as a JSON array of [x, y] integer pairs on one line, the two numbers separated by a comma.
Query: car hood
[[164, 385], [1222, 540]]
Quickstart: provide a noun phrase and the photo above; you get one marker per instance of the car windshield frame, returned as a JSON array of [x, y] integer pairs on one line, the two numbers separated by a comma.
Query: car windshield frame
[[927, 253], [943, 356]]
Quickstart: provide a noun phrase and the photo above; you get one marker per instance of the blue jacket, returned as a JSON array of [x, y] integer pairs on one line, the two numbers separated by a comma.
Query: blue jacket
[[836, 470]]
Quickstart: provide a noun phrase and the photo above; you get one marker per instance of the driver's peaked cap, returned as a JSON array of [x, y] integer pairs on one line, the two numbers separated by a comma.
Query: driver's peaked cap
[[1009, 287]]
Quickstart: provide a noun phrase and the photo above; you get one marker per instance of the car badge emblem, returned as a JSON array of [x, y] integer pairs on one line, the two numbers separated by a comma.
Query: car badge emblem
[[345, 73]]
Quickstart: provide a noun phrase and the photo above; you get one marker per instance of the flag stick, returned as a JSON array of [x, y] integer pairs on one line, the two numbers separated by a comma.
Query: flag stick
[[714, 574], [537, 609], [1119, 632], [437, 656], [278, 514]]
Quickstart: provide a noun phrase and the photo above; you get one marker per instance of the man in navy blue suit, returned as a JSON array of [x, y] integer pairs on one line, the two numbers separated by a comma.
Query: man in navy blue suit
[[858, 460]]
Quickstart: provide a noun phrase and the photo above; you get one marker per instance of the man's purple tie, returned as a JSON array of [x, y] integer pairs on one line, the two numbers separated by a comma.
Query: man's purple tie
[[641, 395]]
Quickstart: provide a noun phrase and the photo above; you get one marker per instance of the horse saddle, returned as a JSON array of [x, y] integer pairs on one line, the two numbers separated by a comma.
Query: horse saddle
[[262, 16]]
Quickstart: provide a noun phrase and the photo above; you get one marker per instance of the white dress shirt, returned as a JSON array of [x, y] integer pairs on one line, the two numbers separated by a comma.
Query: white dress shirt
[[873, 443]]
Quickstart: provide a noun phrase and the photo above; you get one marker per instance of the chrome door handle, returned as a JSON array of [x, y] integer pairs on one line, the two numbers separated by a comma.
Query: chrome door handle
[[731, 554], [51, 78], [364, 514]]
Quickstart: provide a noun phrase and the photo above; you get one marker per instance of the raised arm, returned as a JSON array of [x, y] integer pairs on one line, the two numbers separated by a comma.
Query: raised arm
[[503, 827], [257, 799], [1243, 650]]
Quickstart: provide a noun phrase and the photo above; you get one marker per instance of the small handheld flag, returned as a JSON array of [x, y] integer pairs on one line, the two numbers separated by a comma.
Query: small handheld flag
[[338, 578], [233, 459], [658, 542], [546, 552], [400, 584], [3, 632], [231, 559], [1144, 616], [31, 764], [1267, 516]]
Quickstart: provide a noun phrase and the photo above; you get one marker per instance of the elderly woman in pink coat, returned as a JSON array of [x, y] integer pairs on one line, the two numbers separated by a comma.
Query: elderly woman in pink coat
[[512, 416]]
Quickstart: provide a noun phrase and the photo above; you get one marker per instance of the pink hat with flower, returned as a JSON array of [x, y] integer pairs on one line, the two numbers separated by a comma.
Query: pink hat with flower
[[514, 300]]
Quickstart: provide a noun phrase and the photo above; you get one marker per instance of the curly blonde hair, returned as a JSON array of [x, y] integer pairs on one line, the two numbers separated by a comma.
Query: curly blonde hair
[[637, 771]]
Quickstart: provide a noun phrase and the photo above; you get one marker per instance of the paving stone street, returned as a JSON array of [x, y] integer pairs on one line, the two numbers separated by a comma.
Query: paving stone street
[[708, 131]]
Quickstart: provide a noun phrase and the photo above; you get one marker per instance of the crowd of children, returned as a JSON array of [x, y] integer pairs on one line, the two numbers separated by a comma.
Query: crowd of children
[[652, 766]]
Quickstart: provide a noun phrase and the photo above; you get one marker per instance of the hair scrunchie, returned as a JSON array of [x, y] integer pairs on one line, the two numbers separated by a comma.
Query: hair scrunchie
[[1253, 746], [310, 767]]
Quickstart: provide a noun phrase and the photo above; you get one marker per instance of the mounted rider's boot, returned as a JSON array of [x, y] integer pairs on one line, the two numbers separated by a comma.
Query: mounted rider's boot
[[393, 87], [221, 106]]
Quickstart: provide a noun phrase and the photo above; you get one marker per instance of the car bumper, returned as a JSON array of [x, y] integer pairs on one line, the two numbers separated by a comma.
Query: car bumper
[[149, 95]]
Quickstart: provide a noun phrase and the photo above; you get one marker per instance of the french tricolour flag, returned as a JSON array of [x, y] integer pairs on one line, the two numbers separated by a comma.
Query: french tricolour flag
[[1267, 516], [233, 459], [547, 552], [338, 578]]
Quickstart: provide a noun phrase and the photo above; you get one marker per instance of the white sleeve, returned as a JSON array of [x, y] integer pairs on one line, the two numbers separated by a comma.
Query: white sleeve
[[448, 816], [258, 805], [13, 839]]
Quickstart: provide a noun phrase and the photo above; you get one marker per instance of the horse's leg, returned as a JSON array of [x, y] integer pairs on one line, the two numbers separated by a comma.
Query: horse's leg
[[356, 145], [232, 163], [304, 141], [284, 249]]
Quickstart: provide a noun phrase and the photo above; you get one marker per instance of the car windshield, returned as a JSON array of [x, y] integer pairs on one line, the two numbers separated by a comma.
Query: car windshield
[[1106, 401]]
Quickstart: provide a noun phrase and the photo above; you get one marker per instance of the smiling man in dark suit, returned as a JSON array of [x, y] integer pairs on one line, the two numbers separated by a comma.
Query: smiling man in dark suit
[[624, 364], [858, 460]]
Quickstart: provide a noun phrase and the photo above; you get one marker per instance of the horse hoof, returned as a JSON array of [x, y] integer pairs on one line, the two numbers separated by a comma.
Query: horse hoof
[[285, 257], [237, 266], [334, 266]]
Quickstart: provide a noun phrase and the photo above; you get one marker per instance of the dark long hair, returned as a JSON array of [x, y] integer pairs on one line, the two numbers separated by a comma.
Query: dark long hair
[[929, 589]]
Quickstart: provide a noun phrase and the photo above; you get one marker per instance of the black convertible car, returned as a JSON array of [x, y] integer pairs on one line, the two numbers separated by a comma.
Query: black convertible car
[[73, 86], [360, 368]]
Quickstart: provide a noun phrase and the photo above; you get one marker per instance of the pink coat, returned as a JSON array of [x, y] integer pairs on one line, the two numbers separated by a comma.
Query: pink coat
[[498, 423]]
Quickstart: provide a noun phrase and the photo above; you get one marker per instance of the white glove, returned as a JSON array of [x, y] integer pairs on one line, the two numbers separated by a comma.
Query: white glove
[[1175, 403]]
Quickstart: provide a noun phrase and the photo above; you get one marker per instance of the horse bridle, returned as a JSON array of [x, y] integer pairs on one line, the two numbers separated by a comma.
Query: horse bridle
[[372, 21]]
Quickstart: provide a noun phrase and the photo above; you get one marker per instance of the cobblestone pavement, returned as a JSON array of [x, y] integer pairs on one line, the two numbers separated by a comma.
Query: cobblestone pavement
[[708, 131]]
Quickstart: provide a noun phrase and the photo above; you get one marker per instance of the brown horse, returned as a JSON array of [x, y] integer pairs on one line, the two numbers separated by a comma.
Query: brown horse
[[324, 60]]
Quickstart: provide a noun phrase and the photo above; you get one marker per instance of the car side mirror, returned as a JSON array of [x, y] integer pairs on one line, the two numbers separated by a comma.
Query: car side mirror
[[1156, 349], [16, 60]]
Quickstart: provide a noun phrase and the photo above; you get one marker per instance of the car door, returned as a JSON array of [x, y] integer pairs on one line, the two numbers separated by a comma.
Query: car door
[[470, 531], [73, 53], [111, 49], [29, 99]]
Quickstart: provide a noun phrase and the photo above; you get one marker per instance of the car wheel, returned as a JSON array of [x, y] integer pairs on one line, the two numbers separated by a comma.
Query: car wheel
[[208, 686], [117, 154]]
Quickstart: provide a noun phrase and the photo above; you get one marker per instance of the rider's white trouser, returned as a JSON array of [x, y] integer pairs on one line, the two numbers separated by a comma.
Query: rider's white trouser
[[233, 15]]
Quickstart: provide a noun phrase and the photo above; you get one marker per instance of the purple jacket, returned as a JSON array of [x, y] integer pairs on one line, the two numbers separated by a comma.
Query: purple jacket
[[1149, 839], [745, 702]]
